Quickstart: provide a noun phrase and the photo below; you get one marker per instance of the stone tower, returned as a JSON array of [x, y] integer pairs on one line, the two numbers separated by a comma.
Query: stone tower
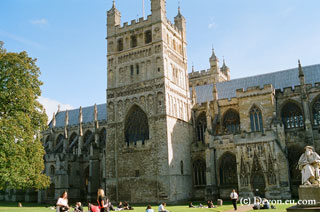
[[148, 107]]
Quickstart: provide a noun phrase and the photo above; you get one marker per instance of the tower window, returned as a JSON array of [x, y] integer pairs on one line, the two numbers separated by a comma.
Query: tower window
[[148, 36], [131, 69], [134, 41], [159, 69], [137, 67], [120, 44], [256, 120]]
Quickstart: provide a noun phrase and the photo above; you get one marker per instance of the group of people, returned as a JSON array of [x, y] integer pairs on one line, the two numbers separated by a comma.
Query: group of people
[[264, 204], [209, 203]]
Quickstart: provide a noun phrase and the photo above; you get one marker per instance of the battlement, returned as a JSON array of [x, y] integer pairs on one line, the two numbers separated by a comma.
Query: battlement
[[134, 24], [255, 91], [200, 73]]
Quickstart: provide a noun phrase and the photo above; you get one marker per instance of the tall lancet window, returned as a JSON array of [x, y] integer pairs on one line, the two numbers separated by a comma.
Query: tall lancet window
[[136, 126], [316, 112], [201, 126], [292, 116], [256, 119]]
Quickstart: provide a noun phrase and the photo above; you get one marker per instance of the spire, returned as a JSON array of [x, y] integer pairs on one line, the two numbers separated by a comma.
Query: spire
[[114, 4], [53, 120], [192, 68], [179, 10], [213, 56], [66, 124], [95, 112], [80, 122], [301, 74]]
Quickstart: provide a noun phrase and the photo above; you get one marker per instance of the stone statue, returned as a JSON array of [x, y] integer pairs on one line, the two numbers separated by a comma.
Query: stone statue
[[309, 164]]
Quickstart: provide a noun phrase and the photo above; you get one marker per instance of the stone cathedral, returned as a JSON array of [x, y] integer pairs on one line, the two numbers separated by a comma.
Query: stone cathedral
[[168, 135]]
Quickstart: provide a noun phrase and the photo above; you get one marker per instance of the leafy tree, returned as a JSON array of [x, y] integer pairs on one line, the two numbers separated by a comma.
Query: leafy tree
[[22, 118]]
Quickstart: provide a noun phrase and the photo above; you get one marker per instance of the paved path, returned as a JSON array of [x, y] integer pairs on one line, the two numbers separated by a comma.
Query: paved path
[[243, 208]]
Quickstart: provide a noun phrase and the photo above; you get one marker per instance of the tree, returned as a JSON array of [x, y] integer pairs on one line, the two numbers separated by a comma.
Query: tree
[[22, 118]]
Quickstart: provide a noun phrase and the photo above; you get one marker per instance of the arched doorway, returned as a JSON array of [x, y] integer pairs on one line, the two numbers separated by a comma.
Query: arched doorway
[[228, 171], [258, 183]]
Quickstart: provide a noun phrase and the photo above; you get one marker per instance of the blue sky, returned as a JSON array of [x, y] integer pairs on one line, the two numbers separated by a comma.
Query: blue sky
[[68, 38]]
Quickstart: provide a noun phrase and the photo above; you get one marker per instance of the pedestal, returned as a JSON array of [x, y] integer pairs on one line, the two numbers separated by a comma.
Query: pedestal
[[307, 194]]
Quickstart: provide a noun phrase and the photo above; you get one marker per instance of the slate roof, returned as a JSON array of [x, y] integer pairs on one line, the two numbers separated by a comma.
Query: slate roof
[[87, 115], [279, 80]]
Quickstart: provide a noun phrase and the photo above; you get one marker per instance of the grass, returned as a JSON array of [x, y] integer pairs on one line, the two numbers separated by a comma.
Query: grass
[[31, 207], [279, 208]]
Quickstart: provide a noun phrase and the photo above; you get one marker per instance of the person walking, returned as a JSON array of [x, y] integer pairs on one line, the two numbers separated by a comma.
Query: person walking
[[62, 203], [234, 198]]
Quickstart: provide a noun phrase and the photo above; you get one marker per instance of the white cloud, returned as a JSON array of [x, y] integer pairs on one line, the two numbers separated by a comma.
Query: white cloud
[[51, 106], [41, 21], [212, 24]]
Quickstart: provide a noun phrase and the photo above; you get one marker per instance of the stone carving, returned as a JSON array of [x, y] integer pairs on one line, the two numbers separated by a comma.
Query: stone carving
[[309, 163]]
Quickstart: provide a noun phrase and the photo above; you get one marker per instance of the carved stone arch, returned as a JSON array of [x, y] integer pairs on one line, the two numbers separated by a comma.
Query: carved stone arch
[[258, 177], [120, 109], [142, 100], [111, 109], [160, 103], [150, 104], [201, 126], [315, 110], [228, 170], [136, 126], [292, 114], [231, 121]]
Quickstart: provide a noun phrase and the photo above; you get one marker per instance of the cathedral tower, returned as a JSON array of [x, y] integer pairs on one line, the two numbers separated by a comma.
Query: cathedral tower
[[148, 107]]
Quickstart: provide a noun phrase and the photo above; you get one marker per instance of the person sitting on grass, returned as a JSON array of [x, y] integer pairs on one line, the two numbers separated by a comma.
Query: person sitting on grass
[[149, 209], [266, 204], [191, 205], [78, 207], [161, 207], [62, 203], [256, 205]]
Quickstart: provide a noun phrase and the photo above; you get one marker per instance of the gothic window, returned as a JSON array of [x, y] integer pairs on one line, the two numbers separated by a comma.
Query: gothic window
[[201, 126], [52, 170], [231, 122], [102, 138], [256, 120], [228, 170], [137, 68], [136, 126], [316, 112], [134, 41], [131, 70], [88, 139], [181, 167], [199, 173], [148, 36], [120, 44], [59, 144], [292, 116]]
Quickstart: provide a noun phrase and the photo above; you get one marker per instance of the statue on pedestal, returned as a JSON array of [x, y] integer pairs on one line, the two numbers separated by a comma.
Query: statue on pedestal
[[309, 164]]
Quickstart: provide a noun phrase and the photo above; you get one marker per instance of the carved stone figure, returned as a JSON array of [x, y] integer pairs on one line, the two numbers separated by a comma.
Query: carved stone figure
[[309, 164]]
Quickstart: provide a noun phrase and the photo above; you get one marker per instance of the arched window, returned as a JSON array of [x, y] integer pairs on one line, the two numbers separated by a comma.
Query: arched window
[[52, 170], [148, 36], [292, 116], [256, 120], [134, 41], [199, 173], [201, 126], [231, 122], [316, 112], [59, 144], [120, 44], [136, 126], [228, 170], [102, 138]]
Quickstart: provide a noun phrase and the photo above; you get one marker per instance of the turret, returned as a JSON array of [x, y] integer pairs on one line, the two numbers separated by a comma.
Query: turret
[[180, 23], [113, 19], [214, 62], [158, 10], [301, 74], [225, 70]]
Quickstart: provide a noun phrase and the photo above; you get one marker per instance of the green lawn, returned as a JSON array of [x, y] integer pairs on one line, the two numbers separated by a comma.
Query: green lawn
[[279, 208], [29, 207]]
